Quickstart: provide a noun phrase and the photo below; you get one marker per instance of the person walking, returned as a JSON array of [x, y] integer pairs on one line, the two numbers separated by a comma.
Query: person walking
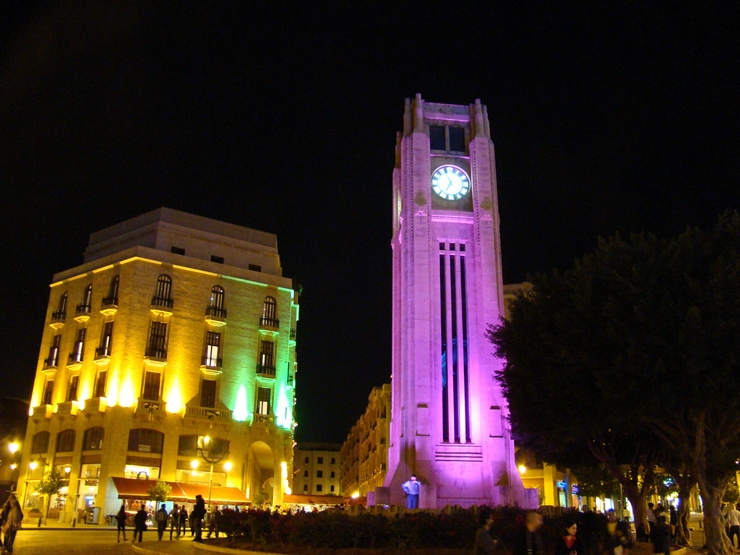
[[199, 511], [161, 518], [661, 536], [213, 521], [12, 516], [175, 521], [411, 488], [529, 541], [618, 540], [121, 520], [140, 523], [733, 524], [183, 520], [484, 543]]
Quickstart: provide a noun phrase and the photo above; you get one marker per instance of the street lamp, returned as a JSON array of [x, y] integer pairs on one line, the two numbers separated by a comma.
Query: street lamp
[[206, 452]]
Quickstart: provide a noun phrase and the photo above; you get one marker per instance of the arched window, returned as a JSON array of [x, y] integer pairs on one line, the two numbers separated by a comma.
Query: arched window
[[269, 313], [112, 298], [40, 443], [163, 293], [145, 440], [85, 306], [66, 441], [61, 312], [216, 303], [93, 439]]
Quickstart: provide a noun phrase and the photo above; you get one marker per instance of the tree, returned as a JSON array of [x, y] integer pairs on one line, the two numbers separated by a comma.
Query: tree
[[50, 484], [160, 492], [639, 340]]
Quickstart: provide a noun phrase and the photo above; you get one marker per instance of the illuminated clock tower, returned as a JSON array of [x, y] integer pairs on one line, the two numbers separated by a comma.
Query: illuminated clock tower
[[448, 421]]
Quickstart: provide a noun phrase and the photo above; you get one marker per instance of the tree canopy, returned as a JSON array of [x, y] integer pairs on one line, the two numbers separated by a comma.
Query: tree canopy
[[634, 355]]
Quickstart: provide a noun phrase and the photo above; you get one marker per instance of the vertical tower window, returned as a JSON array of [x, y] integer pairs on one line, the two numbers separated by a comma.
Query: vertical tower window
[[157, 344], [208, 393], [216, 305], [48, 392], [86, 304], [212, 350], [61, 312], [100, 383], [266, 364], [457, 139], [437, 137], [106, 340], [269, 313], [53, 359], [79, 346], [263, 401], [72, 391], [151, 385], [163, 293], [112, 298]]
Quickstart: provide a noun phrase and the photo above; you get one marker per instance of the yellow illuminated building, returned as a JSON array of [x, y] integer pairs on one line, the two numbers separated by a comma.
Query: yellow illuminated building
[[364, 455], [173, 342]]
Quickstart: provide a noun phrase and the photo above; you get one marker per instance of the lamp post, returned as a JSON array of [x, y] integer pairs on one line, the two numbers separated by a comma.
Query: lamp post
[[206, 452]]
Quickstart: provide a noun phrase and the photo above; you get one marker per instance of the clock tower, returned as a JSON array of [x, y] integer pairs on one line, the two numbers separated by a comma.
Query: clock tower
[[448, 423]]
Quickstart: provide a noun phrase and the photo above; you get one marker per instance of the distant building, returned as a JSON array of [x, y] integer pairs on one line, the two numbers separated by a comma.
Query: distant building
[[365, 451], [317, 469], [173, 342], [13, 421]]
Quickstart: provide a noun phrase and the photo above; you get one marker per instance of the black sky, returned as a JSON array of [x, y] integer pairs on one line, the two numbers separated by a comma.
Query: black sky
[[607, 117]]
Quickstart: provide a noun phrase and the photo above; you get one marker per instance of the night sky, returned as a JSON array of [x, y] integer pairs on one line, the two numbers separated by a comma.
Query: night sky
[[607, 117]]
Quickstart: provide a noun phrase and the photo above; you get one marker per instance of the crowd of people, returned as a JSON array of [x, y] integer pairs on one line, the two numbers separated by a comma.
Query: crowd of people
[[585, 535], [178, 519]]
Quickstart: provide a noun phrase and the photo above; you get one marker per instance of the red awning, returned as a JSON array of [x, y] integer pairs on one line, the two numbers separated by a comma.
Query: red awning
[[130, 488], [220, 495]]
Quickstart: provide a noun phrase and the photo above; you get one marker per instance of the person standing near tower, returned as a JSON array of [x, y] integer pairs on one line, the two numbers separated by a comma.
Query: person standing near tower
[[411, 488]]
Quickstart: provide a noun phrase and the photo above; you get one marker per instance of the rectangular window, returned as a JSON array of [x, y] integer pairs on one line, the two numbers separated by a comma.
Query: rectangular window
[[305, 473], [151, 386], [305, 487], [208, 393], [177, 250], [53, 359], [79, 346], [305, 460], [331, 488], [48, 390], [105, 341], [255, 267], [436, 137], [218, 259], [266, 352], [263, 400], [319, 473], [320, 460], [457, 139], [72, 392], [100, 383], [212, 350], [319, 488], [157, 347], [333, 460]]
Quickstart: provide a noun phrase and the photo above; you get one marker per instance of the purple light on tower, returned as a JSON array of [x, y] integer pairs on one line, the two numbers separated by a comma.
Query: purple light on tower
[[448, 417]]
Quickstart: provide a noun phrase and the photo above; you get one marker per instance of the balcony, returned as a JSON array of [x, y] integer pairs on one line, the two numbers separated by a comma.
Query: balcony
[[109, 306], [211, 366], [69, 408], [215, 316], [102, 355], [74, 360], [266, 371], [162, 306], [52, 361], [208, 413], [292, 336], [82, 313], [269, 323], [42, 411], [96, 404], [57, 319], [155, 356]]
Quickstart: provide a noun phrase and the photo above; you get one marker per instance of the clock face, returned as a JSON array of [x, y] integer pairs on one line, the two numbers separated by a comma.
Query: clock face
[[450, 182]]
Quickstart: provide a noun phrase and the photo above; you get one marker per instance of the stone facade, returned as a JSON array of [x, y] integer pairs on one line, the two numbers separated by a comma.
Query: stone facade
[[175, 327], [317, 469], [365, 451]]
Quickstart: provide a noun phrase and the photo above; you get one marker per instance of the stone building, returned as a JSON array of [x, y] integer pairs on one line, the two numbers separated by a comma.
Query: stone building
[[364, 455], [173, 342], [317, 469]]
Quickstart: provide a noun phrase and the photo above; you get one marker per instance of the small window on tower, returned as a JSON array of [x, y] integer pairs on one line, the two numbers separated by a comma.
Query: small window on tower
[[462, 247], [441, 246], [457, 139], [437, 137], [177, 250]]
